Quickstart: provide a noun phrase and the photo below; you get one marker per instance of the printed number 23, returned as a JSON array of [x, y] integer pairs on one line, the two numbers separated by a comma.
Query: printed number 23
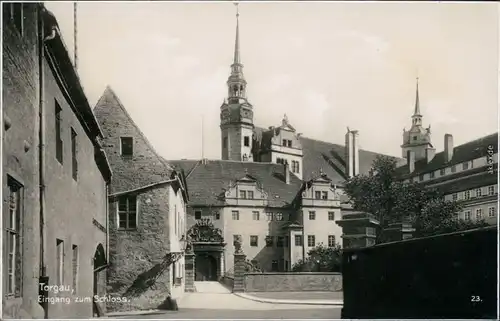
[[475, 298]]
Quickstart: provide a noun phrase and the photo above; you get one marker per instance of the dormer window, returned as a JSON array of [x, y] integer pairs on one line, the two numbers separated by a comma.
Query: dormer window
[[284, 142], [243, 194], [317, 195], [289, 142], [250, 195], [324, 195]]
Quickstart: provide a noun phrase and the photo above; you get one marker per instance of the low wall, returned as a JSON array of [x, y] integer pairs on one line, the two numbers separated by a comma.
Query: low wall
[[228, 281], [293, 281]]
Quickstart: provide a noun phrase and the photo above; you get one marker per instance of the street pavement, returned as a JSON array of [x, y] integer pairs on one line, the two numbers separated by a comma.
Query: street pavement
[[212, 301], [332, 312]]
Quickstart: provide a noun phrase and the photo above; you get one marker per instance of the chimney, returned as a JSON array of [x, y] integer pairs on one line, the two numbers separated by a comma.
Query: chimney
[[355, 161], [410, 160], [352, 152], [448, 147], [287, 172], [429, 154]]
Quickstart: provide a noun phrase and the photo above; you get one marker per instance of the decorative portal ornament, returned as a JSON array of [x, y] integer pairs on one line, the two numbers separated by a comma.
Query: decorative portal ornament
[[237, 245]]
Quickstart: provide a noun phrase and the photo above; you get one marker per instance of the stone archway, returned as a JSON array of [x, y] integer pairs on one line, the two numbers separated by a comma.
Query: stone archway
[[208, 247], [99, 278]]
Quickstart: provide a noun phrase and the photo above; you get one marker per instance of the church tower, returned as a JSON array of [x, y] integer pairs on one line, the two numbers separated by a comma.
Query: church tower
[[236, 113], [417, 139]]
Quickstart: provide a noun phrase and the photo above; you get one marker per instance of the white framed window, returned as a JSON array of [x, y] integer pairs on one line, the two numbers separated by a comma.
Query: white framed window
[[491, 212], [311, 240], [312, 215], [255, 215], [455, 196], [479, 192], [13, 218], [465, 166], [331, 216], [127, 212], [467, 195], [279, 216], [250, 195], [324, 195], [236, 215], [243, 194], [491, 190], [467, 215], [479, 213], [254, 240], [269, 216], [331, 240]]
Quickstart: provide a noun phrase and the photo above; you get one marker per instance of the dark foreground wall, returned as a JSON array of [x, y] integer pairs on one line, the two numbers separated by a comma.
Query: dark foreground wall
[[451, 276], [293, 282]]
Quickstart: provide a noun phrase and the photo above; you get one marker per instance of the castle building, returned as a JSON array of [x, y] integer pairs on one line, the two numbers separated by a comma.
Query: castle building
[[147, 206], [465, 173], [276, 190], [54, 177]]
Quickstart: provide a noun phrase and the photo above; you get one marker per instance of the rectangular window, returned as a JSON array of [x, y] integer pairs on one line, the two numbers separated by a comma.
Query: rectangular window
[[217, 215], [60, 262], [421, 177], [246, 141], [278, 216], [284, 142], [479, 213], [491, 212], [442, 171], [331, 240], [298, 240], [75, 268], [312, 215], [274, 266], [236, 215], [479, 192], [243, 194], [269, 216], [254, 240], [127, 146], [311, 240], [455, 196], [317, 195], [324, 195], [280, 240], [491, 190], [74, 159], [431, 174], [453, 169], [289, 143], [467, 215], [269, 241], [12, 228], [127, 212], [255, 215], [465, 166], [250, 195], [331, 216], [197, 215], [59, 141], [224, 142], [467, 195], [297, 167]]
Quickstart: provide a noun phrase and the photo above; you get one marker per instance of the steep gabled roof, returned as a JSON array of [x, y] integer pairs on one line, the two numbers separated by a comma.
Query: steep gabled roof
[[323, 156], [147, 166], [462, 153], [210, 178]]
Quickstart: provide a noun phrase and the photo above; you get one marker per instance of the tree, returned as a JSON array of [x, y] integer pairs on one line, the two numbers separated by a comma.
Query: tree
[[391, 200], [320, 259]]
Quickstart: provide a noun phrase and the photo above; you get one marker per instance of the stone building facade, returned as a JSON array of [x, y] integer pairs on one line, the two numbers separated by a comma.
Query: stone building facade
[[147, 206], [55, 175]]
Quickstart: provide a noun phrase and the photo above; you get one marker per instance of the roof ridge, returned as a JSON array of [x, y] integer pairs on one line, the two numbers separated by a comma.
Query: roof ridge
[[144, 137]]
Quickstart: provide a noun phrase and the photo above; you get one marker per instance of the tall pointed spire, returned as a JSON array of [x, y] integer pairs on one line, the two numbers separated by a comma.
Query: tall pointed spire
[[417, 103], [237, 59], [236, 82]]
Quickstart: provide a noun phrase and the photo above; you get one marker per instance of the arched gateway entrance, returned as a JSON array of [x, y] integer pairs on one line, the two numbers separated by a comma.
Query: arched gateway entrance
[[208, 247]]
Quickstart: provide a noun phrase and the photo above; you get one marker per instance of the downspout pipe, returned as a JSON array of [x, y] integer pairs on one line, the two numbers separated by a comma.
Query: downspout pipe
[[42, 38]]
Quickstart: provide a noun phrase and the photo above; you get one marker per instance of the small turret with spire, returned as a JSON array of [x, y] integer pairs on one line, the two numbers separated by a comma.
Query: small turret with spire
[[416, 139], [236, 82]]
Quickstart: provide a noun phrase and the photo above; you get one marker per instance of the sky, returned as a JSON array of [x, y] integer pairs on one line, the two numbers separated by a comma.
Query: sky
[[327, 66]]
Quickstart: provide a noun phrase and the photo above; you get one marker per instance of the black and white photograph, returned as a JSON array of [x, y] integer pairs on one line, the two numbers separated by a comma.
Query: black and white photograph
[[250, 160]]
